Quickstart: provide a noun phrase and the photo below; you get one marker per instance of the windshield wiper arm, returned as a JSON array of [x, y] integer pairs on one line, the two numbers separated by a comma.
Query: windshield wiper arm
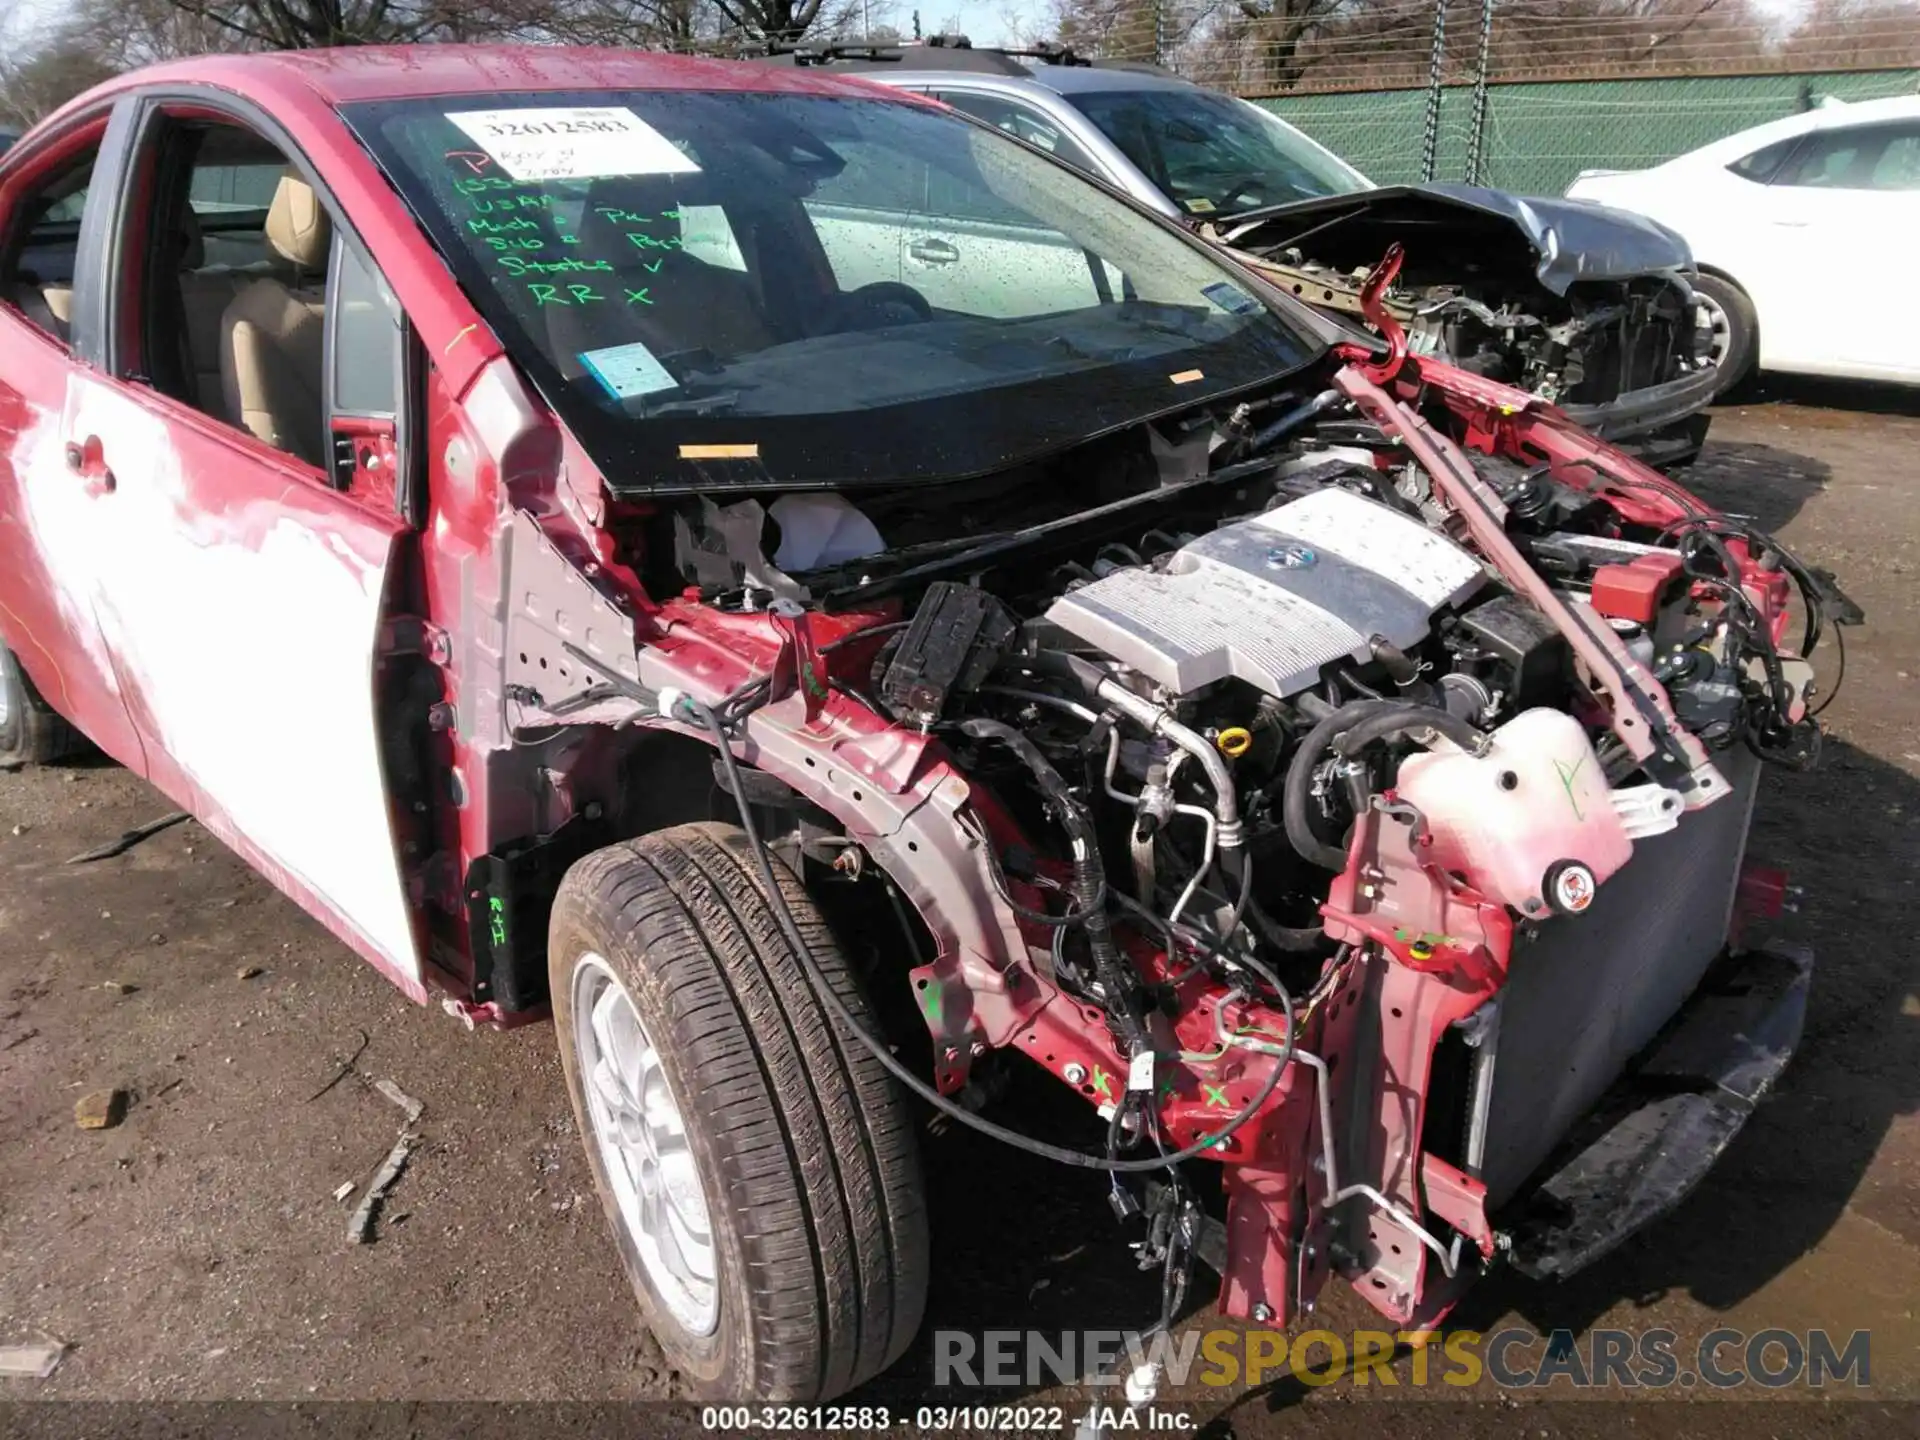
[[718, 404]]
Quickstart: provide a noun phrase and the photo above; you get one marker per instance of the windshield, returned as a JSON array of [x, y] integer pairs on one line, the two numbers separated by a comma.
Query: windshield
[[1216, 155], [770, 290]]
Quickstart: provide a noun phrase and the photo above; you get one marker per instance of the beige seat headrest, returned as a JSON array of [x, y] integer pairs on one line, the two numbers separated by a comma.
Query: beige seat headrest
[[297, 225]]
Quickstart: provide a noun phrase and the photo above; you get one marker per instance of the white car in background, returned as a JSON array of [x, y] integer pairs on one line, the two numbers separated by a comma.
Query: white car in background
[[1803, 230]]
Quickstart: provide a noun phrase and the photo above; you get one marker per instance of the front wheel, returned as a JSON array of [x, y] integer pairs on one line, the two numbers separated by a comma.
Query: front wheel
[[1729, 328], [757, 1164], [32, 732]]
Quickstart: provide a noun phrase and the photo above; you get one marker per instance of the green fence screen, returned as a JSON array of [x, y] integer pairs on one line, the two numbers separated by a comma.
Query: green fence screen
[[1540, 135]]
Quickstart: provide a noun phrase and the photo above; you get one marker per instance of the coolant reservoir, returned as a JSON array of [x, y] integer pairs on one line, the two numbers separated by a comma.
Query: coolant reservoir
[[1533, 822]]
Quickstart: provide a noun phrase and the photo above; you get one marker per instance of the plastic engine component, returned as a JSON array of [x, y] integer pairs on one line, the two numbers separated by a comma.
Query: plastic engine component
[[1532, 823], [957, 635], [1274, 599], [1633, 591]]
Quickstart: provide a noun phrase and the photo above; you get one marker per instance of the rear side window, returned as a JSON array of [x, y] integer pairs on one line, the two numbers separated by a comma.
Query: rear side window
[[44, 246], [1763, 164], [1855, 157], [1898, 167], [1022, 121]]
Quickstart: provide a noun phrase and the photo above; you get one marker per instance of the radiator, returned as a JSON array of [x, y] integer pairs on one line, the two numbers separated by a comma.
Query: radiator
[[1589, 991]]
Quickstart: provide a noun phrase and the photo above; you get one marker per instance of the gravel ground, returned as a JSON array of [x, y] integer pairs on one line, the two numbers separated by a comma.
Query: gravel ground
[[195, 1251]]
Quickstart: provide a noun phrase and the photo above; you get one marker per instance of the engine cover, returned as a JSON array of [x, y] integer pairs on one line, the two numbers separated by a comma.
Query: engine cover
[[1274, 599]]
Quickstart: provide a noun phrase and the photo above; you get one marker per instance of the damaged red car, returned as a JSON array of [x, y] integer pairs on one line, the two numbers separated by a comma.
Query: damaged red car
[[513, 498]]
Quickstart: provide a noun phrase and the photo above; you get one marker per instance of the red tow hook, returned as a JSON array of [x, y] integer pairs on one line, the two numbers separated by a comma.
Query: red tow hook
[[1373, 305]]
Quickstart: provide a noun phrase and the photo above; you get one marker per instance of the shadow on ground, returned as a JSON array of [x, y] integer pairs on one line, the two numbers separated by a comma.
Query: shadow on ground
[[1764, 484], [1818, 392]]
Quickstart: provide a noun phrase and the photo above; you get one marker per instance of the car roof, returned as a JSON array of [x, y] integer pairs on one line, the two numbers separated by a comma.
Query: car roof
[[392, 72]]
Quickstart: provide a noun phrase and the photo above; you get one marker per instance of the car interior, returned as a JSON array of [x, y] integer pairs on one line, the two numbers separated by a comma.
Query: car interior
[[662, 296], [39, 263], [235, 289]]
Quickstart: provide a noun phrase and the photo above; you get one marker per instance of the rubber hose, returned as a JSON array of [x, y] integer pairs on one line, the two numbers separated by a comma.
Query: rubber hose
[[1298, 791], [1403, 717], [1285, 937]]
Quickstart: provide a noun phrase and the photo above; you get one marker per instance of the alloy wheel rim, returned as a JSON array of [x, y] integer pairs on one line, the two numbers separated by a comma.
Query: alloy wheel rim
[[1711, 317], [641, 1137], [6, 690]]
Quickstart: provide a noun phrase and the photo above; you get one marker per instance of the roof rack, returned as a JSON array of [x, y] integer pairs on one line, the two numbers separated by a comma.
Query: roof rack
[[936, 52]]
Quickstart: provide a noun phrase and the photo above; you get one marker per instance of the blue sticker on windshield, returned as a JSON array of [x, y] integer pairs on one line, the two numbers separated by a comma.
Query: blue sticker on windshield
[[1231, 298], [628, 370]]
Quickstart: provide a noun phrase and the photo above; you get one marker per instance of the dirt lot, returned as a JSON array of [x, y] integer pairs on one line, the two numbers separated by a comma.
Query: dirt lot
[[195, 1251]]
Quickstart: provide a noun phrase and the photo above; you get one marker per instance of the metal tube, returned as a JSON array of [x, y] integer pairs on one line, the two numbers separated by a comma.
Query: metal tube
[[1335, 1193], [1482, 1033], [1158, 721]]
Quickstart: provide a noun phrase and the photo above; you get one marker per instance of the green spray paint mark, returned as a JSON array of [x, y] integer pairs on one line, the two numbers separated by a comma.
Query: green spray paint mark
[[497, 921], [931, 1001], [1566, 782], [1216, 1096], [1102, 1083]]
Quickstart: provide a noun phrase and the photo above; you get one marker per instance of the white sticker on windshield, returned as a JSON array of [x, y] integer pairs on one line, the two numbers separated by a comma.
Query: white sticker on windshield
[[628, 370], [577, 143]]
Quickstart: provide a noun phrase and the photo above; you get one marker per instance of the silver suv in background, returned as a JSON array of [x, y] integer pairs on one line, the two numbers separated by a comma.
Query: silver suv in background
[[1587, 307]]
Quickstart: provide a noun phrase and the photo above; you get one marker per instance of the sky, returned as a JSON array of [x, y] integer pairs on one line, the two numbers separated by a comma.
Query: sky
[[985, 22]]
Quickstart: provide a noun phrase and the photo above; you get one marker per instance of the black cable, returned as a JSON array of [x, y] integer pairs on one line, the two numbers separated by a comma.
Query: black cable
[[996, 876], [1840, 640], [869, 633], [1117, 981], [783, 917]]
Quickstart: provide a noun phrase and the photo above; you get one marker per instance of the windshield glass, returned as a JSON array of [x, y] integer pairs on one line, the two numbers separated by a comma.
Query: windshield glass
[[762, 290], [1214, 154]]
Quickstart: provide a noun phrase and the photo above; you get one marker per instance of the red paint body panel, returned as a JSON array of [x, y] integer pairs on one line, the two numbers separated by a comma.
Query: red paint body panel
[[46, 601]]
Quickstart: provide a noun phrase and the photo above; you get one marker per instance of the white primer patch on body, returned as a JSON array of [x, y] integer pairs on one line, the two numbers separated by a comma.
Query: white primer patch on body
[[252, 645]]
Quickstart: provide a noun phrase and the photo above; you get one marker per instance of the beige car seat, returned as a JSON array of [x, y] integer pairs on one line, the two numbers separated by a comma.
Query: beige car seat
[[272, 334], [50, 307], [205, 295]]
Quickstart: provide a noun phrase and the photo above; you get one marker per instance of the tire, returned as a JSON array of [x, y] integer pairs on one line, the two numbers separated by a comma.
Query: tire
[[801, 1145], [32, 732], [1731, 315]]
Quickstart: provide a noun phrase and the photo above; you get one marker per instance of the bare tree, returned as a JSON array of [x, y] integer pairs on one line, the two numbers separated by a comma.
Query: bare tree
[[1274, 46], [1277, 29], [770, 19], [46, 78]]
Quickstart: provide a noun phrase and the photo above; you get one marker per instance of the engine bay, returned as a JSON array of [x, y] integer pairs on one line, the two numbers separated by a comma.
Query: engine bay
[[1217, 750]]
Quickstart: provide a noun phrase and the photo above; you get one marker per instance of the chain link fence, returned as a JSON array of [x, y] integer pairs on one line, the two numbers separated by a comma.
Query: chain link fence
[[1518, 94], [1538, 136]]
